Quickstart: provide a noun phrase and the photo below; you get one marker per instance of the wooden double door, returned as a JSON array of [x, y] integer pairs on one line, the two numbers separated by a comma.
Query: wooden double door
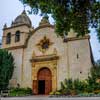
[[43, 84]]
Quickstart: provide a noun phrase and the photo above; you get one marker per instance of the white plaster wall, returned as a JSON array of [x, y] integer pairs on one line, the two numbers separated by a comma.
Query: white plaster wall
[[32, 47], [17, 54], [79, 67], [67, 52]]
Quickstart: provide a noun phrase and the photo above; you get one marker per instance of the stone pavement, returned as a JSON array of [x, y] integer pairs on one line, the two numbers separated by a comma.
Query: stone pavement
[[49, 98]]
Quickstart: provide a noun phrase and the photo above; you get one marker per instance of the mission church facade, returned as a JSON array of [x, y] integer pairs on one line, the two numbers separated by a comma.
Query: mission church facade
[[42, 58]]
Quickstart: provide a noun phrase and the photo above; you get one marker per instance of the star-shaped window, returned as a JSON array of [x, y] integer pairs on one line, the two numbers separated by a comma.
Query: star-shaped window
[[44, 44]]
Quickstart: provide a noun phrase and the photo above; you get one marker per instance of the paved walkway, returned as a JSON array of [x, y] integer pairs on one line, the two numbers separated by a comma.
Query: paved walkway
[[48, 98]]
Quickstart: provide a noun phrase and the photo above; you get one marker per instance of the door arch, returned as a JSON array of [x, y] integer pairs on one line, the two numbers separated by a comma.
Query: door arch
[[44, 77]]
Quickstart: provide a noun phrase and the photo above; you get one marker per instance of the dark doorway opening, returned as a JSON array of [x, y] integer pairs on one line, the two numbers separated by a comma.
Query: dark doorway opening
[[43, 84], [41, 87]]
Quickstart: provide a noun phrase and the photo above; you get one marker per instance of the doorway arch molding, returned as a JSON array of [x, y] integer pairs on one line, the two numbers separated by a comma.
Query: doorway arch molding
[[51, 64]]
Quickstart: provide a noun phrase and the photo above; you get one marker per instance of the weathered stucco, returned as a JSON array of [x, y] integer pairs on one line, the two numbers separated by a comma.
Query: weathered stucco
[[74, 58]]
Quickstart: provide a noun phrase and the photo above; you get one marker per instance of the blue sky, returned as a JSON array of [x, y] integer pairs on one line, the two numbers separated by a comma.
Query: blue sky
[[10, 9]]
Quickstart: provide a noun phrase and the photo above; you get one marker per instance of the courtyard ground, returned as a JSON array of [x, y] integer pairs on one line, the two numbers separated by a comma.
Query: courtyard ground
[[49, 98]]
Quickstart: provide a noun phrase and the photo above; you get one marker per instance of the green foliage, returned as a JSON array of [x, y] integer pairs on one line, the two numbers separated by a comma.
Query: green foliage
[[51, 93], [57, 93], [6, 68], [92, 79], [20, 92], [72, 87], [76, 14], [88, 87]]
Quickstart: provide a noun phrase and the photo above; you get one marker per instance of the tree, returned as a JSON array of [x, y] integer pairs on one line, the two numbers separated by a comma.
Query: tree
[[98, 63], [76, 14], [6, 68]]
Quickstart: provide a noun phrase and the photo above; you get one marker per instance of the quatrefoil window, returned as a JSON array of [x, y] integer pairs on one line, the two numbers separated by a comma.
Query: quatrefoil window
[[44, 44]]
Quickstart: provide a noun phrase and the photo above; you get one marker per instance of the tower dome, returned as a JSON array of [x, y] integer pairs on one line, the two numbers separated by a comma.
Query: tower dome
[[22, 19]]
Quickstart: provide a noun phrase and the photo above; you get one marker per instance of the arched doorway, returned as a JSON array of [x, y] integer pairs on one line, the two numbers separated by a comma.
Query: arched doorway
[[44, 78]]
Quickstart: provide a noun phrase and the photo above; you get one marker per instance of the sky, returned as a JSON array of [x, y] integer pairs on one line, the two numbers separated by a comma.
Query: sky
[[10, 9]]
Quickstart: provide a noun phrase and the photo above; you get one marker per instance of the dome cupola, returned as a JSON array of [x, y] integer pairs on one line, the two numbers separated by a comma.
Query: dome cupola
[[22, 19]]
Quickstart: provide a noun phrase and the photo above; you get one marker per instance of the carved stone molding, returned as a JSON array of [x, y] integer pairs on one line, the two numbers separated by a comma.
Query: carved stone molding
[[44, 58], [44, 44], [47, 61], [51, 65]]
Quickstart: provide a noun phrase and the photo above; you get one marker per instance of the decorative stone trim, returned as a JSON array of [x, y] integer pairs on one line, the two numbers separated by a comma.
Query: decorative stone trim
[[32, 32], [76, 38], [44, 44], [44, 58], [15, 26], [47, 61], [51, 65], [14, 47]]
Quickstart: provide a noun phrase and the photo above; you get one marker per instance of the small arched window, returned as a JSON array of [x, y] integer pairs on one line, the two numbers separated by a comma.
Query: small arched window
[[8, 38], [17, 36]]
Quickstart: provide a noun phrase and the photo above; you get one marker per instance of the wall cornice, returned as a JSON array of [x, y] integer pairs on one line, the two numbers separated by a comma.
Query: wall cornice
[[44, 58], [15, 26], [15, 47], [76, 38]]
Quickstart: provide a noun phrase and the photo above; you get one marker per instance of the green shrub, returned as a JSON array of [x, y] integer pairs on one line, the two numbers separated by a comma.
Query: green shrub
[[20, 92], [57, 93], [52, 93], [88, 87], [96, 91]]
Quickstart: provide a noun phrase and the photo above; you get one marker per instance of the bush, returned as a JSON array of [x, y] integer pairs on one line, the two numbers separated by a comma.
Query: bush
[[72, 87], [57, 93], [20, 92], [96, 91], [52, 93], [88, 87]]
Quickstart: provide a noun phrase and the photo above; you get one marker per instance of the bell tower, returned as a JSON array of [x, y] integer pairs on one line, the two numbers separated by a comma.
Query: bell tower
[[15, 35]]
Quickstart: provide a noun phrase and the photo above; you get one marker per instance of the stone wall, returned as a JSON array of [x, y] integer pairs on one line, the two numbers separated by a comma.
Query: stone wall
[[79, 58], [33, 48], [24, 30], [17, 74], [74, 56]]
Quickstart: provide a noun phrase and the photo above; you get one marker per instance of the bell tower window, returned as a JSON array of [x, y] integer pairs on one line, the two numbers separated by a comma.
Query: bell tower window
[[8, 38], [17, 36]]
